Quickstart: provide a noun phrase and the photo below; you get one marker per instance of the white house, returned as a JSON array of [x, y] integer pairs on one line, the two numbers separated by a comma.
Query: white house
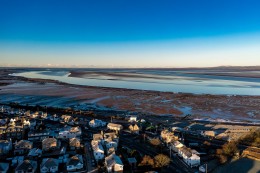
[[75, 163], [189, 156], [133, 119], [97, 123], [193, 161], [98, 150], [49, 165], [113, 163]]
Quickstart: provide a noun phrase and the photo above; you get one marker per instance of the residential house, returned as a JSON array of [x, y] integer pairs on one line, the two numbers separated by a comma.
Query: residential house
[[190, 157], [22, 147], [38, 135], [26, 123], [14, 132], [66, 118], [49, 165], [5, 146], [98, 150], [27, 166], [12, 122], [133, 119], [176, 145], [113, 163], [35, 115], [134, 128], [97, 123], [193, 161], [50, 144], [70, 132], [54, 117], [113, 126], [74, 143], [44, 115], [75, 163], [4, 167]]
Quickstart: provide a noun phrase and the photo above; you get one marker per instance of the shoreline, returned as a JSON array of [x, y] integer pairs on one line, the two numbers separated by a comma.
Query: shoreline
[[229, 107]]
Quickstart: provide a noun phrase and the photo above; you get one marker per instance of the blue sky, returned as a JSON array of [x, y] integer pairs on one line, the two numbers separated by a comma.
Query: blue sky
[[129, 33]]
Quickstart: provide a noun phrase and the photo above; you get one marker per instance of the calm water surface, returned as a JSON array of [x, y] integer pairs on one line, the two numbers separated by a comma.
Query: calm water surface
[[172, 81]]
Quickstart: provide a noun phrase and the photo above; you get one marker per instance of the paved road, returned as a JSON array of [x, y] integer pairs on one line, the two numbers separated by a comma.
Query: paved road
[[89, 158]]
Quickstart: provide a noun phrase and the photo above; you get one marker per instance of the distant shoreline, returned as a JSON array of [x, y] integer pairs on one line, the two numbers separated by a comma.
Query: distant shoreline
[[229, 107]]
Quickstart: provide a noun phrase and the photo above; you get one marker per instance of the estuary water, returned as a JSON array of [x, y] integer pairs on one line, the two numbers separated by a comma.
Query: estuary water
[[156, 80]]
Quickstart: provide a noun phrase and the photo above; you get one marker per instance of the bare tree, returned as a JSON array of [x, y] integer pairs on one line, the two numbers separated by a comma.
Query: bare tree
[[161, 160], [147, 161], [155, 141]]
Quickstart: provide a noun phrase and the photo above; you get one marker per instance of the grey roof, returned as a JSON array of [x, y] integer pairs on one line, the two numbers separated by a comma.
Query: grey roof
[[26, 165], [49, 162], [4, 166], [49, 141], [73, 141], [23, 143], [4, 142], [74, 160]]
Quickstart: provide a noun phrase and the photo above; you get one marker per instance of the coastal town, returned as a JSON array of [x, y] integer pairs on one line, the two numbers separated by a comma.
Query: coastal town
[[42, 139]]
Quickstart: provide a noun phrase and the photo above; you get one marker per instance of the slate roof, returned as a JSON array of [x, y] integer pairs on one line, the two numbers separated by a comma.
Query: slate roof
[[74, 160], [49, 162], [26, 165]]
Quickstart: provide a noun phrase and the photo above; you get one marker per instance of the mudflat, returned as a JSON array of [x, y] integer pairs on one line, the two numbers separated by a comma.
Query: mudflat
[[55, 93]]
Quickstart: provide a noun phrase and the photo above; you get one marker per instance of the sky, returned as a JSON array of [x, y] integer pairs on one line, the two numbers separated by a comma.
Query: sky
[[129, 33]]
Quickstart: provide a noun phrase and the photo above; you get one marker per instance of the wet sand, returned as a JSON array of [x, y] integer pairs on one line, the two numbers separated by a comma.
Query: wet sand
[[54, 93]]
